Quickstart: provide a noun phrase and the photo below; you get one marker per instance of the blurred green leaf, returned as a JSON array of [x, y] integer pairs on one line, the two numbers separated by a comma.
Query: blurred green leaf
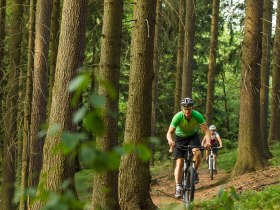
[[143, 152], [128, 148], [94, 122], [113, 160], [97, 101], [70, 141], [79, 83], [79, 114], [54, 129], [155, 140]]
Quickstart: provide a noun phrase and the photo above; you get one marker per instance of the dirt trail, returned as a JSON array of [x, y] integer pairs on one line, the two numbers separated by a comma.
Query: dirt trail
[[163, 186]]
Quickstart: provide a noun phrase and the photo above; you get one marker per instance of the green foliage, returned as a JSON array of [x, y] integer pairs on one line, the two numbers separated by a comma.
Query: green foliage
[[224, 200], [66, 201], [266, 199], [275, 150], [227, 159], [269, 198]]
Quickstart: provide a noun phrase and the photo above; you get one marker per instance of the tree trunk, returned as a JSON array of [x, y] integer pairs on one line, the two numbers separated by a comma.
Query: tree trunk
[[249, 151], [10, 119], [69, 59], [180, 56], [27, 107], [188, 49], [134, 176], [227, 124], [212, 62], [274, 131], [2, 83], [2, 44], [265, 72], [39, 95], [55, 17], [105, 190], [156, 65]]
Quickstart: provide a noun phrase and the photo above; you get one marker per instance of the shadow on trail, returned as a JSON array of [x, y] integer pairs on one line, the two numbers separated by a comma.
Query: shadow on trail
[[221, 181]]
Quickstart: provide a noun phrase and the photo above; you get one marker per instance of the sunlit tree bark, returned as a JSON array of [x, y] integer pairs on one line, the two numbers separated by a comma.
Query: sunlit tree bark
[[249, 146], [27, 107], [188, 49], [212, 62], [134, 176], [105, 190], [265, 72], [2, 79], [10, 118], [55, 18], [40, 84], [69, 59], [274, 131], [156, 66], [180, 55]]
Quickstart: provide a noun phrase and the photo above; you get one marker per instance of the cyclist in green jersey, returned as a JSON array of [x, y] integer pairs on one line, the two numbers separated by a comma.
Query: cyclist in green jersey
[[183, 131]]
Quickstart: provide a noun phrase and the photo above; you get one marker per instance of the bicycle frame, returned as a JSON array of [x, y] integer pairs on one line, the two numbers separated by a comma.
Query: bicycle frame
[[211, 157], [212, 161], [188, 178]]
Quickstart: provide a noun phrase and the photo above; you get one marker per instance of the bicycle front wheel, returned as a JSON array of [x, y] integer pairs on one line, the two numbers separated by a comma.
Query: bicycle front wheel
[[211, 167], [188, 194]]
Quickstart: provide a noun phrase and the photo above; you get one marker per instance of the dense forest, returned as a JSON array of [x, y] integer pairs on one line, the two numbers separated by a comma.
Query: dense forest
[[92, 84]]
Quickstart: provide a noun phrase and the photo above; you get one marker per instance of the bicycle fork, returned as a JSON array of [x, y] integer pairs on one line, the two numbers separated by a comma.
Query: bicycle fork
[[211, 160]]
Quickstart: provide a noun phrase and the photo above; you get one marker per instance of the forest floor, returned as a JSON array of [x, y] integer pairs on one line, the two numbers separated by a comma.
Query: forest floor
[[163, 186]]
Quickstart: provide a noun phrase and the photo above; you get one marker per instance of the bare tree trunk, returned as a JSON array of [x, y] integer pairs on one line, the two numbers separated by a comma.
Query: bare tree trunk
[[265, 72], [156, 65], [55, 17], [249, 151], [105, 190], [2, 79], [40, 84], [212, 62], [188, 49], [134, 176], [69, 59], [180, 55], [27, 107], [10, 119], [227, 124], [274, 131]]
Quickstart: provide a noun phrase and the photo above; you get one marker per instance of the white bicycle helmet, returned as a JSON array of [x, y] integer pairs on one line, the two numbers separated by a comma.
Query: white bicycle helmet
[[212, 127], [187, 102]]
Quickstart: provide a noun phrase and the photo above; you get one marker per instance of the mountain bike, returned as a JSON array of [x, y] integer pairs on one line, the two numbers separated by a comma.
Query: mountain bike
[[188, 178], [211, 161]]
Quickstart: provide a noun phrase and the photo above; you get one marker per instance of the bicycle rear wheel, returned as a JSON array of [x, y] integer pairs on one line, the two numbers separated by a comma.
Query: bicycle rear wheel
[[188, 193], [211, 167]]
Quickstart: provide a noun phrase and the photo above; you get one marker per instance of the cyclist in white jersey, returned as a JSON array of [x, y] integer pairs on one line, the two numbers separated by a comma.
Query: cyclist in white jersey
[[215, 141]]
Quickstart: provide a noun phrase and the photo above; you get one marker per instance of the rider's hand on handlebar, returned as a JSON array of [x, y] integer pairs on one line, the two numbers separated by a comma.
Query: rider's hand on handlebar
[[220, 147]]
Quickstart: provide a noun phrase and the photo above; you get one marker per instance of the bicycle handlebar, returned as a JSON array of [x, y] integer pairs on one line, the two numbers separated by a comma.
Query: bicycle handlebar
[[214, 147], [182, 147]]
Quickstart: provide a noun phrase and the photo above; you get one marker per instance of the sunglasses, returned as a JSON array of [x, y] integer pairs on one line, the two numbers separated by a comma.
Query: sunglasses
[[187, 108]]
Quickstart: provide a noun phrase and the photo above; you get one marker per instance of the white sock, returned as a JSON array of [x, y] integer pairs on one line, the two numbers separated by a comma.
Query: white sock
[[178, 186]]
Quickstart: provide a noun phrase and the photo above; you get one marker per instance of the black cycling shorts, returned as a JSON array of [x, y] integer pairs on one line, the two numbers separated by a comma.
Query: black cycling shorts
[[192, 140]]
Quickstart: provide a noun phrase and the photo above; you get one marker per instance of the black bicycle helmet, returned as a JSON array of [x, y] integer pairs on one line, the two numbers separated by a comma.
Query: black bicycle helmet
[[187, 102]]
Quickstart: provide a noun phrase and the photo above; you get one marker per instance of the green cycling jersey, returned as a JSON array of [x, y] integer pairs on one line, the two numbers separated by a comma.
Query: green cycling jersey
[[184, 127]]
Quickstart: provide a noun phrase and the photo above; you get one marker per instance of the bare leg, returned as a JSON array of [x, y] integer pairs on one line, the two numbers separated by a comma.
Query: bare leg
[[197, 158], [206, 154], [178, 170]]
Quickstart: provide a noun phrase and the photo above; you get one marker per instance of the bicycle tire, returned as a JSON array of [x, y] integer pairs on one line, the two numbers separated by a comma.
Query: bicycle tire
[[188, 193], [211, 167]]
